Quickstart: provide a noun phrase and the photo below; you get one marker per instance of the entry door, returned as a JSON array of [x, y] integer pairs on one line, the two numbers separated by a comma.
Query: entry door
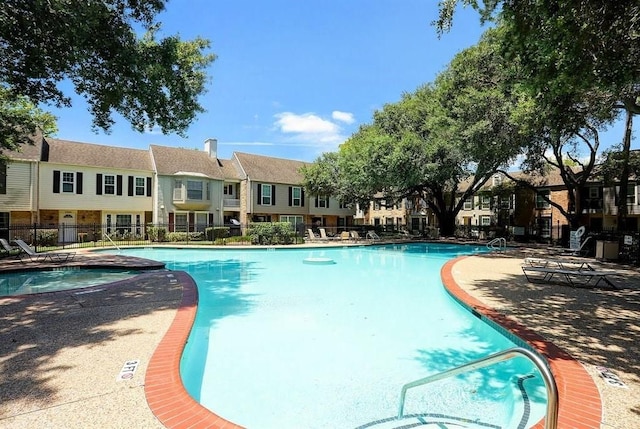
[[67, 228]]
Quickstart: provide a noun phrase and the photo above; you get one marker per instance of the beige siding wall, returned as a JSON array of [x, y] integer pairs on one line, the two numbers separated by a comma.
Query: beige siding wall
[[21, 187], [165, 205], [89, 200], [281, 205]]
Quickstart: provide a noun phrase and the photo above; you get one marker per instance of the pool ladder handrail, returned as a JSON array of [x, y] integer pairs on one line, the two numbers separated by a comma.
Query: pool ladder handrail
[[109, 238], [501, 243], [551, 420]]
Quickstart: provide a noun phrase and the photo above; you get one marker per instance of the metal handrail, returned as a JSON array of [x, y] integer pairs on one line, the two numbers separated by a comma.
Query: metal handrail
[[501, 241], [112, 242], [551, 420]]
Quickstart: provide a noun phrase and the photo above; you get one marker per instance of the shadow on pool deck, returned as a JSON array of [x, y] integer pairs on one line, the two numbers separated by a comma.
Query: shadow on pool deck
[[62, 351]]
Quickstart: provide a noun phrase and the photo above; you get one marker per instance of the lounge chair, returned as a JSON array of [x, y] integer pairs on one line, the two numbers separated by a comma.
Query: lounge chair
[[344, 235], [355, 236], [9, 250], [371, 235], [323, 234], [312, 235], [546, 274], [28, 252]]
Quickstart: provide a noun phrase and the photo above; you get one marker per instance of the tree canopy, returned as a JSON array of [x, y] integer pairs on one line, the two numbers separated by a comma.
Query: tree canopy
[[571, 51], [96, 46], [444, 138]]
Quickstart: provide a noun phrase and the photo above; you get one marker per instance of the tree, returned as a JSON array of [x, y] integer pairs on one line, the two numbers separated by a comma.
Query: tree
[[571, 47], [425, 146], [94, 45], [19, 117]]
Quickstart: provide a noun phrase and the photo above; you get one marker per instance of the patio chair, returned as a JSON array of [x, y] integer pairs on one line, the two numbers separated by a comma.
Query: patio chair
[[8, 250], [28, 252], [355, 236], [311, 235], [323, 235], [371, 235]]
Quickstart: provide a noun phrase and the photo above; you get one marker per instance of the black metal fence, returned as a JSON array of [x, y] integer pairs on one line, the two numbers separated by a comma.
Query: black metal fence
[[48, 237]]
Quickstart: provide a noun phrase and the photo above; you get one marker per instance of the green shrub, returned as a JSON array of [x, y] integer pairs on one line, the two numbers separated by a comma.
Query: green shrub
[[47, 237], [216, 233], [157, 233], [185, 236], [271, 233]]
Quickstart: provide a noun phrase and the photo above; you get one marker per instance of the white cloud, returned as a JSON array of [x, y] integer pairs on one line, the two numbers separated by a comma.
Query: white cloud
[[309, 129], [345, 117], [307, 123]]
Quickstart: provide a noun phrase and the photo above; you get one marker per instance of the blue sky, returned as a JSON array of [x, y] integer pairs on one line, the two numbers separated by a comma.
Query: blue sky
[[294, 79]]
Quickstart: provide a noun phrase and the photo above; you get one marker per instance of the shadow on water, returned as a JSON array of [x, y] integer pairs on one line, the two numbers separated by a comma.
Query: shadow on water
[[219, 296], [484, 381]]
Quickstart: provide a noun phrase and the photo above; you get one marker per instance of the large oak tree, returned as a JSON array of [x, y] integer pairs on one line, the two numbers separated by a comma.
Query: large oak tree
[[459, 129], [569, 48]]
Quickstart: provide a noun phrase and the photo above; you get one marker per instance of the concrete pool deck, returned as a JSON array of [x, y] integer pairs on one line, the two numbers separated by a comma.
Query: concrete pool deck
[[61, 353]]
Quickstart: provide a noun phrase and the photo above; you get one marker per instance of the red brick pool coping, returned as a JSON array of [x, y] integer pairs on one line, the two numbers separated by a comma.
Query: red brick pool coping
[[579, 404], [579, 400]]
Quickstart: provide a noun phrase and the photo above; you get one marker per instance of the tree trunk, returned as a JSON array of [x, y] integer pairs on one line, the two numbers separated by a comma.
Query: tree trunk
[[446, 223], [624, 174]]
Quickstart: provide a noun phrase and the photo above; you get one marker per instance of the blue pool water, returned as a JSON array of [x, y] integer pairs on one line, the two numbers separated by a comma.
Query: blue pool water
[[282, 343], [28, 282]]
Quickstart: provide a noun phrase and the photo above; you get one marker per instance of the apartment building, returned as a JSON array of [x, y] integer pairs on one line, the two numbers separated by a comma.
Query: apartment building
[[59, 183], [271, 191]]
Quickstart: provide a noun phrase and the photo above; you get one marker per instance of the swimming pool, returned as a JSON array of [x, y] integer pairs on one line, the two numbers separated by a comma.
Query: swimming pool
[[58, 279], [281, 343]]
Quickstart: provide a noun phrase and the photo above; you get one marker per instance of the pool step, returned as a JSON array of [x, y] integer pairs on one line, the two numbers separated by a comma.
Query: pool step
[[428, 421]]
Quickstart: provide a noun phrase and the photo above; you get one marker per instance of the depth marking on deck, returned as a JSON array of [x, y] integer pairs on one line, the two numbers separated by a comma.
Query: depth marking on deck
[[610, 377], [128, 369]]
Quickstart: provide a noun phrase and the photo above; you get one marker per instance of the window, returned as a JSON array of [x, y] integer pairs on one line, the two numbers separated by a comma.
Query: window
[[4, 222], [541, 202], [485, 202], [293, 220], [3, 179], [631, 194], [296, 196], [140, 188], [485, 220], [265, 196], [344, 205], [594, 192], [181, 220], [123, 223], [109, 184], [228, 189], [177, 190], [68, 182], [194, 190], [202, 219], [376, 204], [497, 180], [468, 204], [388, 203], [506, 202], [322, 201]]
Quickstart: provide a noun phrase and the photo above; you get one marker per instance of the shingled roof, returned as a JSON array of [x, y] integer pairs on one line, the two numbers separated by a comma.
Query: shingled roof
[[26, 152], [94, 155], [268, 169], [172, 160]]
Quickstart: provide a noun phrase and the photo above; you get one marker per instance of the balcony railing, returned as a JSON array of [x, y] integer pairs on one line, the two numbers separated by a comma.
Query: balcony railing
[[231, 202]]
